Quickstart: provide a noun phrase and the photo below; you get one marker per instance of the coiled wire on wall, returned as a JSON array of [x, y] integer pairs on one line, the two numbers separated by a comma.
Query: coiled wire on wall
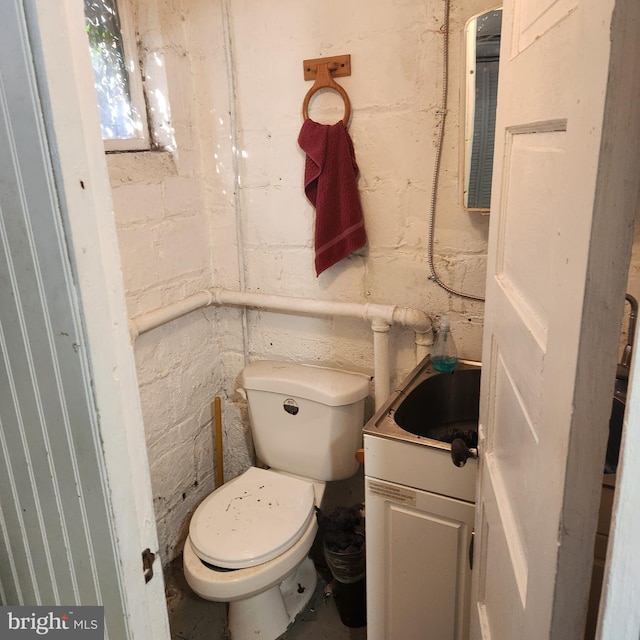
[[436, 171]]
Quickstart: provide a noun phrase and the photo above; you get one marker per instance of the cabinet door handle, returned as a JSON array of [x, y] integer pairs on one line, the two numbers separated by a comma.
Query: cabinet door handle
[[473, 535]]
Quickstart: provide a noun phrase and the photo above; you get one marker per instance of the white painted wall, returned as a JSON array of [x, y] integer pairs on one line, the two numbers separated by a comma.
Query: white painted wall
[[182, 217]]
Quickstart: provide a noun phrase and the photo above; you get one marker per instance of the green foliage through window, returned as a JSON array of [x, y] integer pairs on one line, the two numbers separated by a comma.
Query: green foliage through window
[[117, 115]]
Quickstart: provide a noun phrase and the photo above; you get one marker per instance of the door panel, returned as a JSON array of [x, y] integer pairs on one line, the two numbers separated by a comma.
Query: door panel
[[501, 571], [420, 551], [532, 166], [536, 17]]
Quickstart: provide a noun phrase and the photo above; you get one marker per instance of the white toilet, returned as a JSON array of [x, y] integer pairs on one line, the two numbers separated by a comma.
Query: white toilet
[[249, 540]]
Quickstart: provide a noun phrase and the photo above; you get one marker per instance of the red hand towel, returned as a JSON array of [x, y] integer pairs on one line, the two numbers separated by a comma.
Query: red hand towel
[[330, 184]]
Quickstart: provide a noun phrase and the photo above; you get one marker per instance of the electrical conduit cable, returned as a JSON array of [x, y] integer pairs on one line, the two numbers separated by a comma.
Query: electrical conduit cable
[[436, 171]]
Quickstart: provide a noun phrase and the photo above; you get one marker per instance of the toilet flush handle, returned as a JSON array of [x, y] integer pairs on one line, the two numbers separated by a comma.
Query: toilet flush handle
[[460, 452]]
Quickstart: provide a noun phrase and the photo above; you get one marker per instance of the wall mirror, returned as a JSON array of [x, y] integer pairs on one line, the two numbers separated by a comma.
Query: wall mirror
[[482, 62]]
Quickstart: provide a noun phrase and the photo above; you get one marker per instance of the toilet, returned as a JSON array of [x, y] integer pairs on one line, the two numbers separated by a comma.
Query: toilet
[[249, 540]]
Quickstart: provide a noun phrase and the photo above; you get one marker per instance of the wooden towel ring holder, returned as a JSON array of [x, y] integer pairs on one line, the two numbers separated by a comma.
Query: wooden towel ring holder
[[324, 80]]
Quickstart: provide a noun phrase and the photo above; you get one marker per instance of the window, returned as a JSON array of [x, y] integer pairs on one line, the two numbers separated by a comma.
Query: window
[[117, 76]]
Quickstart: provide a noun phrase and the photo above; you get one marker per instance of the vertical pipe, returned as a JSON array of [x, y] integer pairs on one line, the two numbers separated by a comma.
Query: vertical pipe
[[424, 342], [235, 161], [381, 368], [219, 468]]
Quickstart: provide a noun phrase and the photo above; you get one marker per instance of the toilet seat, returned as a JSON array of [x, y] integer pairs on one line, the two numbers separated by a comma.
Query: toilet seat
[[251, 519]]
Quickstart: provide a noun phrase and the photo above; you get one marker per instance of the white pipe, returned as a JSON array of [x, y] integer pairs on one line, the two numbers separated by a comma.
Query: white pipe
[[382, 371], [307, 306], [156, 318], [424, 342], [235, 160], [380, 316]]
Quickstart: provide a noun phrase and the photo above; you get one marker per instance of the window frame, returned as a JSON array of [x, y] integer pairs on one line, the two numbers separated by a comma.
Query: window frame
[[142, 142]]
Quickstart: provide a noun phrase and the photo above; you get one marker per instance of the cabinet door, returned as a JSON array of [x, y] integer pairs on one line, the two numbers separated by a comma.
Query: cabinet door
[[418, 565]]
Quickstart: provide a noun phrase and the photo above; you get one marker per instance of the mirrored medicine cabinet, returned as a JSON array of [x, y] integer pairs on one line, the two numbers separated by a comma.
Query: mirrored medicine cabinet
[[482, 34]]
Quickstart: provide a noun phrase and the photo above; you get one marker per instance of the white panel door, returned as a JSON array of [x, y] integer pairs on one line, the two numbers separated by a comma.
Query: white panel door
[[564, 192], [75, 498]]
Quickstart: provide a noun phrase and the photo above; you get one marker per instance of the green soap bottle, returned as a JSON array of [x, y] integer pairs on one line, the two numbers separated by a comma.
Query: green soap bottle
[[444, 354]]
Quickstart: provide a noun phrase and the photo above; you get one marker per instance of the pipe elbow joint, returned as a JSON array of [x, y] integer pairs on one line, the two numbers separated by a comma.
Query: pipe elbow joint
[[424, 338], [418, 320], [380, 325]]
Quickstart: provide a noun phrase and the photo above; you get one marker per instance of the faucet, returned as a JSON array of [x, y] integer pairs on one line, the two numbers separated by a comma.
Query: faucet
[[628, 349], [622, 372]]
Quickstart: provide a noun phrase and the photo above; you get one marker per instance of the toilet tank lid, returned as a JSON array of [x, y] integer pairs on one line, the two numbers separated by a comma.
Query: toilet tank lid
[[327, 386]]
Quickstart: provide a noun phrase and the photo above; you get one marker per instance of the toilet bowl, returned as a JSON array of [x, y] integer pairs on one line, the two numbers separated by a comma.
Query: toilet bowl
[[249, 540], [277, 579]]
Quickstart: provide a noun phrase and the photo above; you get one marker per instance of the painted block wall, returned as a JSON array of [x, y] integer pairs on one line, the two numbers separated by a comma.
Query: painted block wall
[[168, 230], [227, 208], [395, 90]]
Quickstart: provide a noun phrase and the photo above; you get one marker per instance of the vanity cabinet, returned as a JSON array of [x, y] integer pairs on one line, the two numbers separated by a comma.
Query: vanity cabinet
[[418, 542]]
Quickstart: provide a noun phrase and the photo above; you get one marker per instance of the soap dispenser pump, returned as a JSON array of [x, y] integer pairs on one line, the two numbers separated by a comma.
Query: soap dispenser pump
[[444, 355]]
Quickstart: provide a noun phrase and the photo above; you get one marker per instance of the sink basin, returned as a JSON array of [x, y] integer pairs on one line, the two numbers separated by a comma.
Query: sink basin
[[442, 407], [432, 408]]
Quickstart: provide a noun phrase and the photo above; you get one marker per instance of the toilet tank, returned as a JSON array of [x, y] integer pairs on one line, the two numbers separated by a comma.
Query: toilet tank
[[306, 420]]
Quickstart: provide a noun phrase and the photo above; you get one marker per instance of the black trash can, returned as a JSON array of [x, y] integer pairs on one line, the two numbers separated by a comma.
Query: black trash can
[[348, 568], [343, 548]]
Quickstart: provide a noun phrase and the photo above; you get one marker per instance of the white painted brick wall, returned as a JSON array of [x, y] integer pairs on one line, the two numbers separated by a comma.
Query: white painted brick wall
[[177, 214]]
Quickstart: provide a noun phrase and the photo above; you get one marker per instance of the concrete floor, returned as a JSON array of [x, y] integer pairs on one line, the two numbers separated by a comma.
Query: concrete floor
[[192, 618]]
